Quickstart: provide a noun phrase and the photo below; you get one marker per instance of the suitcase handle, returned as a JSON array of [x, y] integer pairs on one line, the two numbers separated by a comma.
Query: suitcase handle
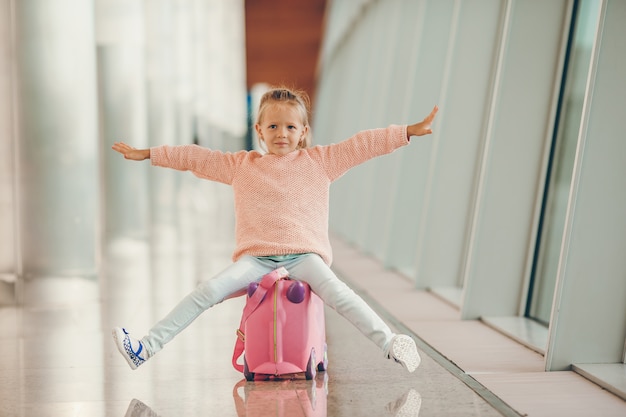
[[252, 303]]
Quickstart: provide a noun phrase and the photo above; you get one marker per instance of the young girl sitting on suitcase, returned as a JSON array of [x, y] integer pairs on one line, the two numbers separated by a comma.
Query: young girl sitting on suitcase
[[281, 208]]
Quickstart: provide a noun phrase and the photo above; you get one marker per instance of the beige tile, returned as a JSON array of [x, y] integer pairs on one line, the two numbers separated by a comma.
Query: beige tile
[[476, 348], [550, 394], [414, 305]]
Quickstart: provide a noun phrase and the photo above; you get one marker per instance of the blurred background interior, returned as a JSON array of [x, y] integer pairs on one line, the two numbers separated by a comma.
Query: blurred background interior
[[503, 233]]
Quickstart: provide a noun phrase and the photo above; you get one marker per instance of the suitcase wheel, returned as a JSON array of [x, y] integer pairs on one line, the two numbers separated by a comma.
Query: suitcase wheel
[[246, 372], [323, 365], [311, 368]]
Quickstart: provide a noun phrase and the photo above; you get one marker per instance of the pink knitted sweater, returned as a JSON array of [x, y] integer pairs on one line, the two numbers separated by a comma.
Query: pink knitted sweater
[[281, 202]]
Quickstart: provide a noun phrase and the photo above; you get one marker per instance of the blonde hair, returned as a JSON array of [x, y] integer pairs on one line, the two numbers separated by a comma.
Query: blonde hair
[[296, 98]]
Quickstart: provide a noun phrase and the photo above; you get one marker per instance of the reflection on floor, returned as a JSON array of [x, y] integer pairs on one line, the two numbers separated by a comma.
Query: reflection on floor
[[57, 357]]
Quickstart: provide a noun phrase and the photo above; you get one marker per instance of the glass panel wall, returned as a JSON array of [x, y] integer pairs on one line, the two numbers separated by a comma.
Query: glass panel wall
[[562, 158]]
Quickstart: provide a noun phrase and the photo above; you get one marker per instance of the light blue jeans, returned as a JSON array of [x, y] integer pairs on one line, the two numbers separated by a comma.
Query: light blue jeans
[[309, 268]]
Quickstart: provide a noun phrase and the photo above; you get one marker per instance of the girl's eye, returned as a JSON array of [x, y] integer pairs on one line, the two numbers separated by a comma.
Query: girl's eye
[[272, 126]]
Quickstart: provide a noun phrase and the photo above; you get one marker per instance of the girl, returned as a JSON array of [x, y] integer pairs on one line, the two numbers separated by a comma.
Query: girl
[[281, 211]]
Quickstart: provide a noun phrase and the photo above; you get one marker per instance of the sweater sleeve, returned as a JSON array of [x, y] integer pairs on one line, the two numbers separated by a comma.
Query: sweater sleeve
[[338, 158], [202, 162]]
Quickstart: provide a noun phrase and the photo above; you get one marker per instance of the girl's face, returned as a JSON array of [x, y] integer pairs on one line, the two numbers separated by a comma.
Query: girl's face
[[281, 129]]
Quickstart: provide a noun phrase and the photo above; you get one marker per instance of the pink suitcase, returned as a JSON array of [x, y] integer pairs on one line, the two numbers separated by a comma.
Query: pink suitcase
[[282, 329], [287, 399]]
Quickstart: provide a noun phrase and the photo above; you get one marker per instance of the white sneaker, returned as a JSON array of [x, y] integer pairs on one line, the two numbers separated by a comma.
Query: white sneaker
[[138, 409], [404, 351], [406, 406], [131, 348]]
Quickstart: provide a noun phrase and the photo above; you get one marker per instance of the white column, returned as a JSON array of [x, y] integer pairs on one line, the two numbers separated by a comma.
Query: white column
[[8, 209], [428, 73], [499, 229], [57, 153], [121, 81], [161, 129], [589, 310]]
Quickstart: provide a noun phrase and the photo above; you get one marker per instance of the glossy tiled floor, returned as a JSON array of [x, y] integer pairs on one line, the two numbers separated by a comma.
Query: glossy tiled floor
[[57, 357]]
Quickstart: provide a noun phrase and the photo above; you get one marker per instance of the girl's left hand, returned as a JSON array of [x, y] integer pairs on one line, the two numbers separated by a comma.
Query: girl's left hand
[[131, 153], [423, 127]]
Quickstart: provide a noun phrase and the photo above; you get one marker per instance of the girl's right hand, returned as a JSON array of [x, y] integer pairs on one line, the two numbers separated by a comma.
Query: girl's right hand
[[423, 127], [131, 153]]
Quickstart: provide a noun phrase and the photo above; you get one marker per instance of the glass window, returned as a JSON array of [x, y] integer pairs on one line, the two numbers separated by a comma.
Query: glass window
[[563, 152]]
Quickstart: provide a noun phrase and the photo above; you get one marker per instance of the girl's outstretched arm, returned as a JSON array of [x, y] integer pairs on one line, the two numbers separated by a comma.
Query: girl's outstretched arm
[[131, 153], [423, 127]]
